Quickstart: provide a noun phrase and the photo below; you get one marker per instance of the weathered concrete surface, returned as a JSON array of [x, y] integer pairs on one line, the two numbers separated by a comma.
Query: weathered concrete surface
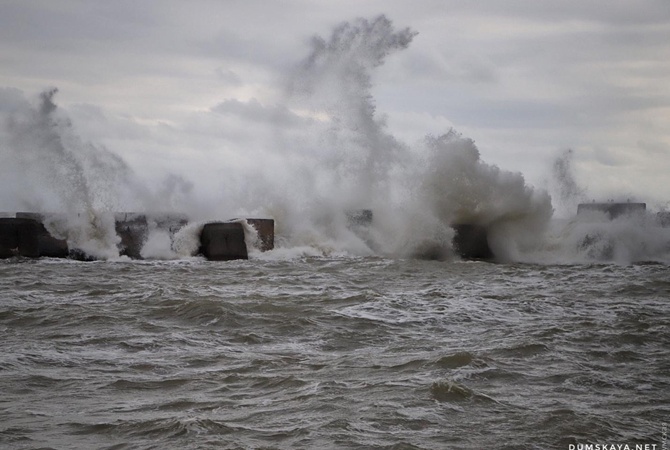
[[19, 237], [471, 241], [49, 246], [612, 209], [223, 241], [266, 232]]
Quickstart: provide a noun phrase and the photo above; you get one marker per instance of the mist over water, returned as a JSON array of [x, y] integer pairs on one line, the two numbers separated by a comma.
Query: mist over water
[[330, 153]]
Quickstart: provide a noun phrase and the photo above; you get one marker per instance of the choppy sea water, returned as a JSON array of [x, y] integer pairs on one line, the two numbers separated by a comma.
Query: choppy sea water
[[332, 353]]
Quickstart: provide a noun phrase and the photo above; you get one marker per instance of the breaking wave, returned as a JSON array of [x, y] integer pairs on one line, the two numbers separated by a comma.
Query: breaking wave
[[338, 159]]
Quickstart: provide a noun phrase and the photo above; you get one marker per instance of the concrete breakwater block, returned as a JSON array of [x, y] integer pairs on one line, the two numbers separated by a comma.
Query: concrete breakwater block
[[26, 235], [266, 232], [18, 237], [49, 245], [223, 241], [471, 241]]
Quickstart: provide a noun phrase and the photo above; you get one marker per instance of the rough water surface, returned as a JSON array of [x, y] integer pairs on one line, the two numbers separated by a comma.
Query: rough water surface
[[332, 352]]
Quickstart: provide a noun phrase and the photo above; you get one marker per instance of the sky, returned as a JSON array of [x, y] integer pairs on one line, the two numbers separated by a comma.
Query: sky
[[185, 87]]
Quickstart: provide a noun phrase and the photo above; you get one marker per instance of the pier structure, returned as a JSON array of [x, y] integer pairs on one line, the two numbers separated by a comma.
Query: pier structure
[[25, 234]]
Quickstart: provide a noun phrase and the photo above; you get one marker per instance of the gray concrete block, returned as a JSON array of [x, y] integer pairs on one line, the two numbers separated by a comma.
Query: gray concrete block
[[19, 237], [222, 241], [49, 246], [471, 241]]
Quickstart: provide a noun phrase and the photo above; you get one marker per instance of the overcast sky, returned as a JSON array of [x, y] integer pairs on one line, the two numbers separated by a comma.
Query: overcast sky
[[190, 84]]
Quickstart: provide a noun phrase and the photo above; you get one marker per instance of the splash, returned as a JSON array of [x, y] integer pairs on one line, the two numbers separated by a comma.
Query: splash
[[77, 185], [596, 238], [335, 156], [344, 157], [335, 81], [57, 172], [593, 236], [416, 192], [462, 189], [568, 192], [419, 192]]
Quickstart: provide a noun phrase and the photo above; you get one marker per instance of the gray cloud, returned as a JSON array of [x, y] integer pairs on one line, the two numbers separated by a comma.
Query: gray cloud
[[254, 111], [617, 12], [164, 81]]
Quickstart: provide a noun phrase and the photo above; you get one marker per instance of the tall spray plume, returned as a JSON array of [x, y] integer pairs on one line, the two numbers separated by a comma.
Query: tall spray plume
[[349, 160], [47, 168]]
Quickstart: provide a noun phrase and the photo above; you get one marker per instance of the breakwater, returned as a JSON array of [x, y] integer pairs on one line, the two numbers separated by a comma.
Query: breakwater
[[37, 235]]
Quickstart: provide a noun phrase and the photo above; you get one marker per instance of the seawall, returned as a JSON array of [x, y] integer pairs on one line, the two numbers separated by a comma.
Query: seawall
[[24, 234]]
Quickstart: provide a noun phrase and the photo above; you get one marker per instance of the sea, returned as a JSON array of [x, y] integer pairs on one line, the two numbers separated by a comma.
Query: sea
[[345, 336], [333, 352]]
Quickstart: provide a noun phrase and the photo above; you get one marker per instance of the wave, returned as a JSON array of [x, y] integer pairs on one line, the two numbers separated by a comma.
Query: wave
[[337, 159]]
